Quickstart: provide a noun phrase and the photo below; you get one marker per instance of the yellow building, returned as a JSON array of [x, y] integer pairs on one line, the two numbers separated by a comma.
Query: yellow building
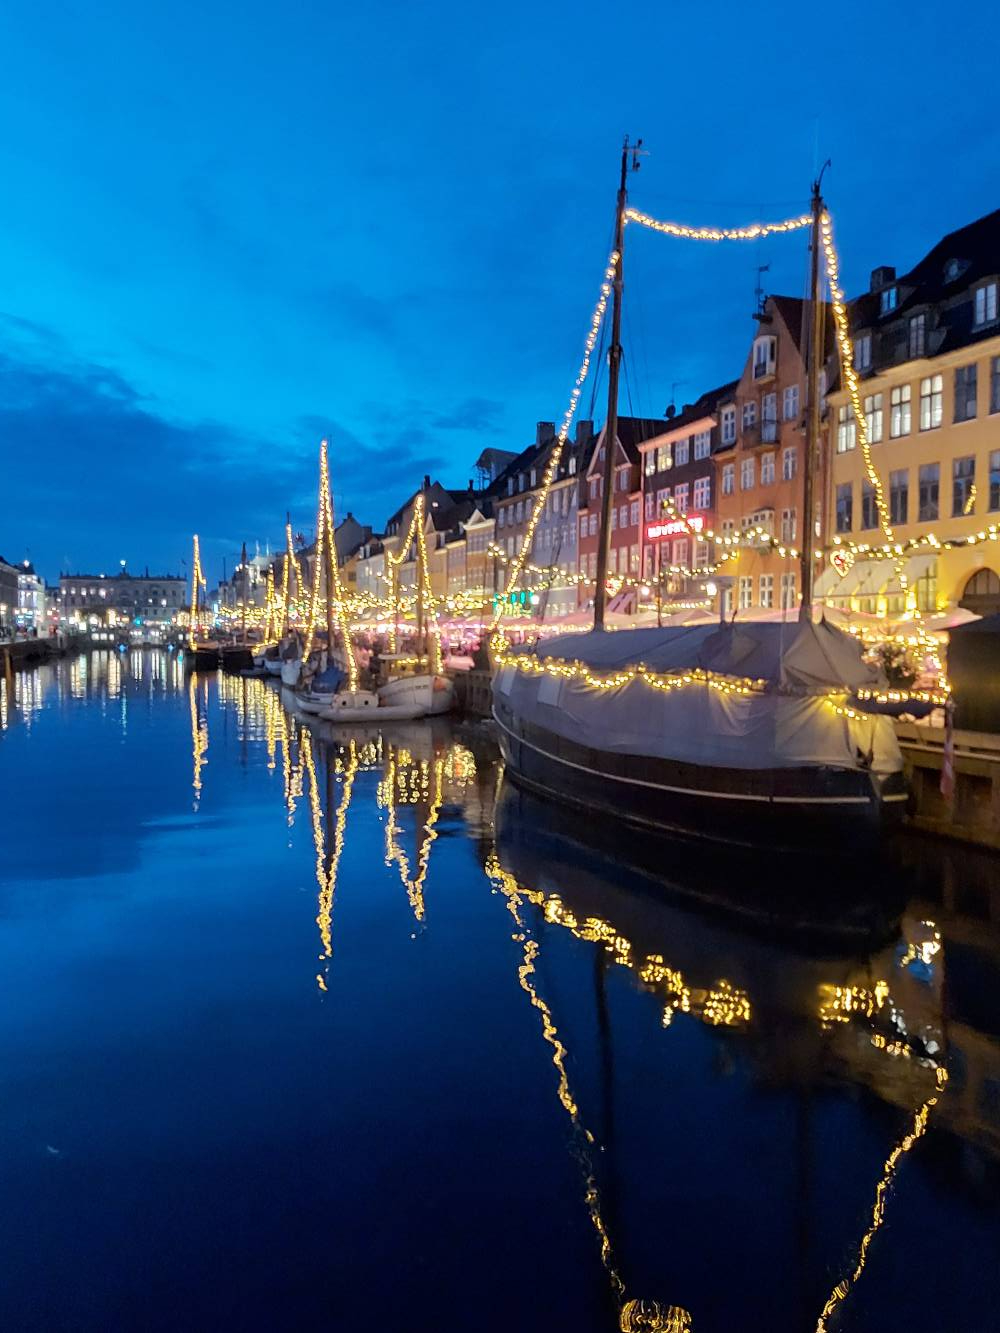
[[927, 351]]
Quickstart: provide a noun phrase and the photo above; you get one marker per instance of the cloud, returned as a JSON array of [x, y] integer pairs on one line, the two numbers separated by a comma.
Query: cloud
[[474, 414]]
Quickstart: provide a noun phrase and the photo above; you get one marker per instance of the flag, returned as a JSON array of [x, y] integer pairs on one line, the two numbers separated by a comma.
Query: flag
[[948, 765]]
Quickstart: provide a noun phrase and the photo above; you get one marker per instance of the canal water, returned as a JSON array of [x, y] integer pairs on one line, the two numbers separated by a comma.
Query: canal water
[[304, 1030]]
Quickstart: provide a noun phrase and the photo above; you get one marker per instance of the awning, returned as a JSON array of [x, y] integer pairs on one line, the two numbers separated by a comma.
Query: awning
[[869, 578]]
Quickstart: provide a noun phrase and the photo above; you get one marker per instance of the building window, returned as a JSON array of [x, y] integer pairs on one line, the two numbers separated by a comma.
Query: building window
[[918, 335], [931, 402], [593, 525], [963, 486], [634, 512], [873, 418], [749, 415], [701, 555], [787, 592], [633, 558], [623, 516], [790, 403], [788, 525], [702, 495], [728, 527], [845, 507], [965, 392], [663, 458], [766, 469], [986, 303], [682, 452], [519, 511], [729, 475], [681, 553], [662, 496], [623, 479], [899, 411], [747, 470], [869, 509], [572, 467], [583, 526], [702, 444], [927, 500], [899, 496], [767, 590], [887, 300], [650, 504], [769, 418], [765, 351], [502, 518], [863, 352], [746, 592], [681, 498], [649, 463], [995, 479], [845, 429], [789, 462], [593, 488], [728, 425]]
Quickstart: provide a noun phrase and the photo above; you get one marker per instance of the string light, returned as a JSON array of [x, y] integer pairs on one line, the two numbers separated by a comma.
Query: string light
[[197, 581], [552, 466], [325, 544], [753, 232]]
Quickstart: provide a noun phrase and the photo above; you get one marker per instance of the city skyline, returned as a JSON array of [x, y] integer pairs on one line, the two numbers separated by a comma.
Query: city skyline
[[222, 244]]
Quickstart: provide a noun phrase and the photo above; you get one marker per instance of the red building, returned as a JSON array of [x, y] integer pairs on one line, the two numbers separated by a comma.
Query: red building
[[626, 513]]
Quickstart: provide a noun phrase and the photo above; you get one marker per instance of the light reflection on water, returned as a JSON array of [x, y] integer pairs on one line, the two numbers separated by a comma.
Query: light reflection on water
[[674, 1117]]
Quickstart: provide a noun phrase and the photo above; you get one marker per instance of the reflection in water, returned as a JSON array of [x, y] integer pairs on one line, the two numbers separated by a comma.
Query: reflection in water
[[887, 1037]]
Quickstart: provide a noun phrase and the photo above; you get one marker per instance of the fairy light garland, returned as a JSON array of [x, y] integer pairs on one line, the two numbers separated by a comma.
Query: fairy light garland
[[325, 543], [197, 581], [755, 231], [555, 457]]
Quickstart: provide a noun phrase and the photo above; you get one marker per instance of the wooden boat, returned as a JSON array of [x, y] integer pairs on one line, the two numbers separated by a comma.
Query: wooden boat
[[428, 694], [739, 733]]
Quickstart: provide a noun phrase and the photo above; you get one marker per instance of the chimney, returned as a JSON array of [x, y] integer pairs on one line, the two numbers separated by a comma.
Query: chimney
[[545, 431], [882, 277], [427, 482], [584, 432], [472, 489]]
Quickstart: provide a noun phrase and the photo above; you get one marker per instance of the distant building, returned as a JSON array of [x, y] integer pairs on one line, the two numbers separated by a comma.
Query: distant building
[[8, 597], [143, 606], [30, 614]]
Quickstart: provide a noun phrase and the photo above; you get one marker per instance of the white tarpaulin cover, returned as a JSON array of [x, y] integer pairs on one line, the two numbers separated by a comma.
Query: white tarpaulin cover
[[788, 724]]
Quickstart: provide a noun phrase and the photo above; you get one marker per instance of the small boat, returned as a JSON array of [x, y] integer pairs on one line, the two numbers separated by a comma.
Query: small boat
[[352, 706], [290, 665], [428, 694], [236, 658], [271, 660], [318, 691]]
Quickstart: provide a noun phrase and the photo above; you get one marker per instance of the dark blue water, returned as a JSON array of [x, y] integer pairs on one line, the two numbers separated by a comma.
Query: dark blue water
[[311, 1032]]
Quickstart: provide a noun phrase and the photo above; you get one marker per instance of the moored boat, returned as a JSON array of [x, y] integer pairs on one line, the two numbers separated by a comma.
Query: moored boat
[[428, 694]]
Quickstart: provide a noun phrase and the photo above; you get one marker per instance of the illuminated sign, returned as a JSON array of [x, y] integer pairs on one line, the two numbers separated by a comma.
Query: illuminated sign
[[690, 523]]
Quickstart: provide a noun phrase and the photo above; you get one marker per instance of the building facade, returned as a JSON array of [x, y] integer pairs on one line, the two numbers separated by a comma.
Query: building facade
[[8, 598], [150, 602], [31, 614], [927, 350]]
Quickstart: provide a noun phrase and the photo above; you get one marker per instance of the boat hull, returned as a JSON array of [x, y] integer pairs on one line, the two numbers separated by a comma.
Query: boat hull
[[272, 665], [201, 657], [236, 658], [290, 672], [431, 695], [802, 808]]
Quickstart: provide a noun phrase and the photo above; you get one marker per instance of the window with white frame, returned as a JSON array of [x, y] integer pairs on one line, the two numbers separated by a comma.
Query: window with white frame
[[788, 596], [728, 527], [583, 525], [845, 429], [682, 452], [888, 300], [502, 518], [662, 496], [593, 525], [701, 555], [931, 402], [765, 353], [769, 418], [728, 425], [747, 474], [681, 497], [746, 591], [650, 504], [623, 516], [633, 558], [701, 496], [963, 485], [790, 403], [789, 462], [986, 303], [863, 352], [634, 512], [899, 411], [766, 592], [593, 488], [873, 418], [788, 525], [519, 511], [614, 520], [702, 444], [663, 458], [728, 478], [681, 549], [623, 479], [649, 463], [766, 469], [749, 415], [965, 392]]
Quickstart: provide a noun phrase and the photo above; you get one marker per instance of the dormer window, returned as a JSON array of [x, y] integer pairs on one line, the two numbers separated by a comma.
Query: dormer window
[[765, 354], [888, 300], [952, 270], [986, 303], [918, 336], [863, 352]]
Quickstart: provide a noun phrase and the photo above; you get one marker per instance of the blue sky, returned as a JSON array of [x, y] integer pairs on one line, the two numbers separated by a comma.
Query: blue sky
[[227, 230]]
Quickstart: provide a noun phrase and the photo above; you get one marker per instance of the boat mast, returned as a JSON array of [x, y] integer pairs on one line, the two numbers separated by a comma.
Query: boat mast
[[814, 409], [246, 587], [330, 554], [420, 645], [614, 366], [287, 581]]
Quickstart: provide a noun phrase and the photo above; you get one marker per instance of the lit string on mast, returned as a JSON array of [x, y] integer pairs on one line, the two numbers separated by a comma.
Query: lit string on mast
[[325, 543], [552, 466], [197, 580]]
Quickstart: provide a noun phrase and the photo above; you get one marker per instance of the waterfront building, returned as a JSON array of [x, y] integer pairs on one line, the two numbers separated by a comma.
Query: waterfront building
[[147, 603], [515, 499], [626, 513], [927, 350], [760, 463], [678, 470], [8, 597], [31, 612]]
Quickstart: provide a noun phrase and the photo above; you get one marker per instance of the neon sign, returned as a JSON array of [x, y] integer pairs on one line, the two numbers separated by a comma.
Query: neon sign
[[690, 523]]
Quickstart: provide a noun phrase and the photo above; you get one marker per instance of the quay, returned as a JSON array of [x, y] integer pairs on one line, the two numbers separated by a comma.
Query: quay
[[973, 813]]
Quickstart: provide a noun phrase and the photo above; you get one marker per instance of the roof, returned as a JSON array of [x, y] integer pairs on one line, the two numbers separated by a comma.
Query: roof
[[704, 405], [632, 431]]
